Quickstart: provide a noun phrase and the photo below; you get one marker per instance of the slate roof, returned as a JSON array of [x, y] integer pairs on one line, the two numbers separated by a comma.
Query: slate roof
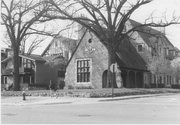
[[150, 33], [129, 58]]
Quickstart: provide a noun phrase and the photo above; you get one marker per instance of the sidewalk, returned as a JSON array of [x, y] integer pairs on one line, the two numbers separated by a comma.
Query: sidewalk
[[34, 100]]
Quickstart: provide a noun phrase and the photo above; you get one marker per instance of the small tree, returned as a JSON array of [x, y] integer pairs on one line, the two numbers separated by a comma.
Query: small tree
[[20, 18], [104, 18]]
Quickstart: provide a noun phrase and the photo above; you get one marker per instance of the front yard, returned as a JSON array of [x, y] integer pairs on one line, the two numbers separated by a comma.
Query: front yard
[[92, 93]]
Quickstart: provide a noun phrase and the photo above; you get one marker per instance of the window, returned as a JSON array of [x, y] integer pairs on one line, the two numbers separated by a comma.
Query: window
[[83, 71], [5, 80], [140, 48], [20, 61], [160, 80]]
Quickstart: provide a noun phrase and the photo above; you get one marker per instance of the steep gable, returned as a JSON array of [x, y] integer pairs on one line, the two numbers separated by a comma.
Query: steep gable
[[58, 45]]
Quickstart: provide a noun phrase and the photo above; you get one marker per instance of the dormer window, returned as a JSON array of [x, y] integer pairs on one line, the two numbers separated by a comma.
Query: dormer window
[[140, 48]]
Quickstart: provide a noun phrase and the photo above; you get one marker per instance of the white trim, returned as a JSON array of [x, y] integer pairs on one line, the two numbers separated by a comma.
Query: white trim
[[27, 57]]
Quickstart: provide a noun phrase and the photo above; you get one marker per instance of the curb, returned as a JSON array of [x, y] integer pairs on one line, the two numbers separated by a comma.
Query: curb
[[52, 102], [134, 97], [35, 103]]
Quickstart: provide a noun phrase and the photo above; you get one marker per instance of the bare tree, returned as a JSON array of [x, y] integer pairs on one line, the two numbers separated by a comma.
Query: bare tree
[[104, 18], [35, 44], [20, 18]]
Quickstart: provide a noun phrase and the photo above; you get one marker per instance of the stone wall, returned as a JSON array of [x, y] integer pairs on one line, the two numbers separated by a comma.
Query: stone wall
[[97, 53]]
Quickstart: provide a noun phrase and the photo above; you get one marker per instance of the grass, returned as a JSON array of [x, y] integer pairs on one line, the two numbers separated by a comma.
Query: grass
[[93, 93]]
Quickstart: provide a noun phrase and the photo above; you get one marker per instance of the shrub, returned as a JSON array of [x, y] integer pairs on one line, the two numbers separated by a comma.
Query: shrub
[[175, 86], [84, 87]]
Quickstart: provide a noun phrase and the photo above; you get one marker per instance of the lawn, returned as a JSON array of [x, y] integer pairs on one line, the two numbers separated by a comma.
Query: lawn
[[92, 93]]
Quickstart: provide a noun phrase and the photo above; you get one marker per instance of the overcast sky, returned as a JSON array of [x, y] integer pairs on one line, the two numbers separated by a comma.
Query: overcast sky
[[157, 7]]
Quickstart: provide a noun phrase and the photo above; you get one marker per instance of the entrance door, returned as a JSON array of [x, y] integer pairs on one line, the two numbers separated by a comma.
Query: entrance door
[[124, 78], [104, 80], [26, 79]]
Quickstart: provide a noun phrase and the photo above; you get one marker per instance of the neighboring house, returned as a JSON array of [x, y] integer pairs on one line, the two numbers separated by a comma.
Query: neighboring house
[[33, 69], [5, 52], [155, 47], [60, 46], [176, 66], [87, 67], [36, 70]]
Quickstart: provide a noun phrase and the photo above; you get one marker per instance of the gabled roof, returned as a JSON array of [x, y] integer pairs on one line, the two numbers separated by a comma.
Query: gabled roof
[[147, 32], [32, 57], [129, 58], [61, 38]]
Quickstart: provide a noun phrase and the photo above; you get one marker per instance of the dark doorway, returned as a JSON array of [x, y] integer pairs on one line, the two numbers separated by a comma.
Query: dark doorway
[[124, 78], [139, 79], [131, 79], [26, 79], [61, 77], [104, 80]]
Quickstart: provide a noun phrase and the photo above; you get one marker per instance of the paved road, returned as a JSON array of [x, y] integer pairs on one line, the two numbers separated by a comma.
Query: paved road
[[154, 110]]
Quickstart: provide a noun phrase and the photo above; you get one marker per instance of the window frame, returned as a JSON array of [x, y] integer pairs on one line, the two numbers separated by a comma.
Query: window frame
[[140, 44], [84, 68]]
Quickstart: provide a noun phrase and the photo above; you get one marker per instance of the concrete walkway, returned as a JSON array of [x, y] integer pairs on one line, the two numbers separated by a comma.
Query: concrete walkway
[[39, 100]]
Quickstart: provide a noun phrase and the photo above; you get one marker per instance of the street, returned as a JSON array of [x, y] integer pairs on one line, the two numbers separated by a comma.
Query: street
[[154, 110]]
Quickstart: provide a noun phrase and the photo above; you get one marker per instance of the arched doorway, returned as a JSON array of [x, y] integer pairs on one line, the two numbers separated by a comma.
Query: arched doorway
[[104, 80], [124, 77], [139, 79], [131, 79]]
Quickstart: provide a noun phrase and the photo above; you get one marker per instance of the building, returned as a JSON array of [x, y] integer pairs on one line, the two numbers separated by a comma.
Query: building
[[60, 46], [33, 70], [5, 52], [36, 70], [87, 67]]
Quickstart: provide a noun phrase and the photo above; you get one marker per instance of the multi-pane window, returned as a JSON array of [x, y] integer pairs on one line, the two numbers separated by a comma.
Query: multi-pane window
[[28, 63], [83, 71]]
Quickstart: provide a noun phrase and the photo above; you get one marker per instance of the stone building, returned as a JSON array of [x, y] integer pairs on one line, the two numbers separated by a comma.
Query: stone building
[[87, 67]]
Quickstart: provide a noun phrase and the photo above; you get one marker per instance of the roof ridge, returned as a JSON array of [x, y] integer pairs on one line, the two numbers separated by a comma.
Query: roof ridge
[[76, 47]]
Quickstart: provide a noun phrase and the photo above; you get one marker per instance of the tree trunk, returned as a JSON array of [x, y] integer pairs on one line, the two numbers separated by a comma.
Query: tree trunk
[[16, 69], [111, 76]]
